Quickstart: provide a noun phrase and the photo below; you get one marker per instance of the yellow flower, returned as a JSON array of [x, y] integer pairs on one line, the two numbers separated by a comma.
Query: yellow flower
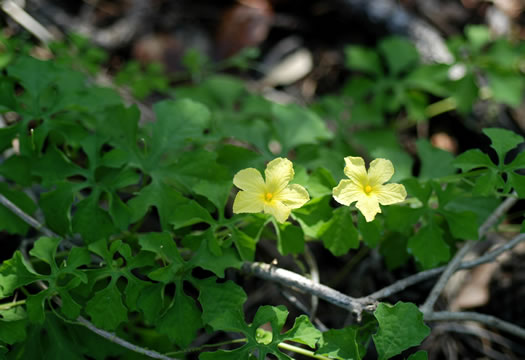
[[367, 188], [274, 196]]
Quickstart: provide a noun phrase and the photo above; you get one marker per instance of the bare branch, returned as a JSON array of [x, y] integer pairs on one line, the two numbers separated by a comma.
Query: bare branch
[[115, 339], [27, 21], [291, 279], [427, 274], [454, 264], [474, 316], [26, 218]]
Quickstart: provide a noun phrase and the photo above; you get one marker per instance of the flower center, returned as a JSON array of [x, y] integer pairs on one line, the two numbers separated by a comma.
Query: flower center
[[268, 196], [368, 189]]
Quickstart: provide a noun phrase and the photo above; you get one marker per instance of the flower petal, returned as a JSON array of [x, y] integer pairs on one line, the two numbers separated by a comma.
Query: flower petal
[[293, 196], [279, 172], [381, 170], [369, 206], [248, 202], [250, 180], [355, 170], [347, 192], [390, 194], [278, 210]]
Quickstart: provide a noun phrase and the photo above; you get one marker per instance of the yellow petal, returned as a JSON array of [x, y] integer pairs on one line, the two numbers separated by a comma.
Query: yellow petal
[[250, 180], [390, 194], [355, 170], [278, 210], [369, 206], [279, 172], [293, 196], [381, 170], [347, 192], [248, 202]]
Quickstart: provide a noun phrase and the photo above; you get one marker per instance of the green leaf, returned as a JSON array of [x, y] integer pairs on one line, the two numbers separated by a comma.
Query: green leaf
[[89, 213], [517, 163], [370, 231], [200, 173], [216, 263], [182, 311], [13, 324], [502, 141], [400, 327], [18, 169], [518, 183], [69, 308], [477, 36], [399, 52], [150, 302], [506, 88], [302, 332], [177, 121], [35, 306], [106, 308], [291, 239], [339, 344], [295, 125], [8, 220], [245, 244], [402, 218], [15, 273], [465, 93], [472, 159], [54, 167], [56, 206], [429, 247], [481, 206], [242, 353], [314, 215], [45, 249], [434, 162], [162, 244], [34, 75], [222, 304], [173, 208], [339, 235], [463, 225], [394, 249], [420, 355], [488, 183], [362, 59]]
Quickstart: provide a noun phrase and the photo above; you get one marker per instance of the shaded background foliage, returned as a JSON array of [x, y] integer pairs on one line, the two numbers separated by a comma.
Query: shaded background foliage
[[361, 92]]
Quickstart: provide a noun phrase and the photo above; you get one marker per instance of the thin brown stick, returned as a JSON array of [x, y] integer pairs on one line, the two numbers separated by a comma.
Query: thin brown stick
[[454, 264], [402, 284], [481, 318]]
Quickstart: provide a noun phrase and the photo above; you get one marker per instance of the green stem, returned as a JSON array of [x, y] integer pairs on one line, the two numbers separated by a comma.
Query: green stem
[[440, 107], [301, 351], [10, 305]]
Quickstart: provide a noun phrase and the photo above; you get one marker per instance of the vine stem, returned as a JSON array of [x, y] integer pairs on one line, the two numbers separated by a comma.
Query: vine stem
[[11, 304]]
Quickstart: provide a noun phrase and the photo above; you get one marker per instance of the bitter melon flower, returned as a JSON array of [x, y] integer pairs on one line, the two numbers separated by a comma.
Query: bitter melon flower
[[273, 196], [367, 187]]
